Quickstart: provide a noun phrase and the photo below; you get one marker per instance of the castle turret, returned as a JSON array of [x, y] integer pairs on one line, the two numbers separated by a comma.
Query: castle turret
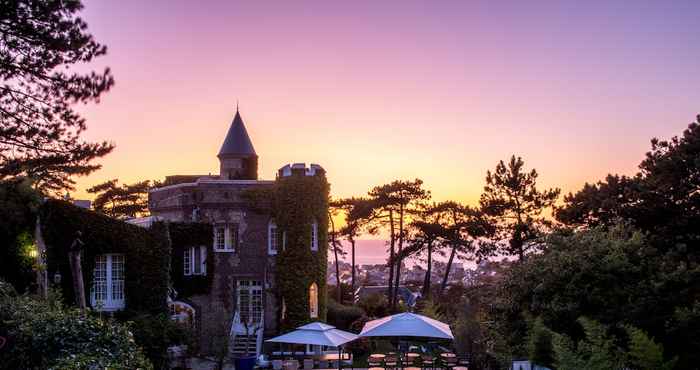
[[237, 157]]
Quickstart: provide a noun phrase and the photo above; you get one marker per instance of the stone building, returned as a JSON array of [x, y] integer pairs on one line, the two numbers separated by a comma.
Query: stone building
[[245, 242]]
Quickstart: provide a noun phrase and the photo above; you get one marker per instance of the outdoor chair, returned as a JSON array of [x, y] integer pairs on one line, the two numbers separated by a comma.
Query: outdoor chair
[[450, 362], [428, 362], [391, 362], [323, 364], [308, 364], [277, 364], [463, 361]]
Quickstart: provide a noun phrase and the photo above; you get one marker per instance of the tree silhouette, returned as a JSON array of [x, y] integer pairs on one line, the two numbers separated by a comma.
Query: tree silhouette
[[358, 213], [512, 201], [121, 201], [392, 204], [40, 43]]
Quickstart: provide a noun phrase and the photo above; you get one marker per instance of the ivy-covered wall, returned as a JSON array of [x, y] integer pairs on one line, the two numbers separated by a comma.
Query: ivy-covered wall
[[186, 235], [147, 252], [298, 201]]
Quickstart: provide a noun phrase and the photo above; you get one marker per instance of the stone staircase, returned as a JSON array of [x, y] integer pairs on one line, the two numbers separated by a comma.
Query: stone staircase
[[240, 341]]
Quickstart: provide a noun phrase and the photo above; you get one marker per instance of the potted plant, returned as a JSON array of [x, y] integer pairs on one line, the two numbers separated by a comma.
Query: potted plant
[[246, 361]]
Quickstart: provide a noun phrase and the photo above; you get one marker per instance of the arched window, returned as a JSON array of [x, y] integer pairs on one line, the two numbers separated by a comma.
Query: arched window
[[313, 301]]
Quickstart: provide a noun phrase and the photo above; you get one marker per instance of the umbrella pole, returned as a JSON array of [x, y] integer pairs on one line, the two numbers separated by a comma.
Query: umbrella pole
[[340, 357]]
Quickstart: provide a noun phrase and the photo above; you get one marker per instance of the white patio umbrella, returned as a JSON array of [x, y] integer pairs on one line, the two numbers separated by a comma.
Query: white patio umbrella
[[317, 333], [407, 325]]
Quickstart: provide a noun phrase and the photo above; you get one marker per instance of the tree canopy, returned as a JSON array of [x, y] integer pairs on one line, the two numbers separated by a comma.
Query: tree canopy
[[43, 47]]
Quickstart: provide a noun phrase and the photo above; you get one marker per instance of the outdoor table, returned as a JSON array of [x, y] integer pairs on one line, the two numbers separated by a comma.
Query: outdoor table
[[411, 368], [447, 355], [332, 357], [460, 368], [413, 355], [378, 356], [376, 368]]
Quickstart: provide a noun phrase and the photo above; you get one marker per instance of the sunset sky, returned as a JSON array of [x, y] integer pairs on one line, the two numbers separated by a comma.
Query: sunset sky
[[375, 91]]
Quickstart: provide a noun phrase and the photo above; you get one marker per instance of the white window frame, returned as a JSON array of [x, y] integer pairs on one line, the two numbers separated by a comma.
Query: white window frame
[[254, 291], [112, 285], [273, 242], [189, 261], [314, 236], [229, 243]]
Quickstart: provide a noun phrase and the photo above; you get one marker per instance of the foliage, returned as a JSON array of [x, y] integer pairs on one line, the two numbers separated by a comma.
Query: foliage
[[644, 353], [155, 333], [342, 316], [357, 211], [19, 204], [295, 202], [45, 335], [42, 46], [125, 201], [539, 344], [185, 235], [599, 350], [512, 200], [662, 198], [147, 252], [375, 305]]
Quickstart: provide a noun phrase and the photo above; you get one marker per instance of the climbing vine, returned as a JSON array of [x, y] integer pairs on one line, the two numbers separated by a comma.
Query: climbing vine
[[299, 201], [186, 235], [146, 251], [295, 202]]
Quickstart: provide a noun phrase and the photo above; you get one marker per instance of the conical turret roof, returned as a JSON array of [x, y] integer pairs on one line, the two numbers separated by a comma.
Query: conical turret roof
[[237, 141]]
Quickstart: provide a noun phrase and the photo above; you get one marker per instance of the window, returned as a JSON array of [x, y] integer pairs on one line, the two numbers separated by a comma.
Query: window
[[313, 301], [250, 302], [272, 238], [225, 238], [107, 292], [195, 261], [314, 236]]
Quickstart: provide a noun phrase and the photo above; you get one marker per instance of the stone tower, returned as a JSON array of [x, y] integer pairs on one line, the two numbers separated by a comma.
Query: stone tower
[[237, 157]]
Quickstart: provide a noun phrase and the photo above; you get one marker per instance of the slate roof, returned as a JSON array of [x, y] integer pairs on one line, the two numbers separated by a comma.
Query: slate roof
[[237, 141]]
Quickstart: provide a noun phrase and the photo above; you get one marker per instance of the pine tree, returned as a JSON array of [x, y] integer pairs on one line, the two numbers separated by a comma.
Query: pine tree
[[41, 42]]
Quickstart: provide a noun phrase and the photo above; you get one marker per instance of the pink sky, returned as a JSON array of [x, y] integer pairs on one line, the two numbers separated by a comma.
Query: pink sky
[[375, 91]]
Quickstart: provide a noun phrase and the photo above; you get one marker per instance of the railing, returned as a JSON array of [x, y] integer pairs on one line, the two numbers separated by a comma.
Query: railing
[[238, 328]]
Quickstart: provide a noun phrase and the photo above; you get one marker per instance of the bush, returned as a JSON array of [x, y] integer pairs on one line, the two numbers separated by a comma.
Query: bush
[[375, 305], [45, 335], [342, 316], [155, 333]]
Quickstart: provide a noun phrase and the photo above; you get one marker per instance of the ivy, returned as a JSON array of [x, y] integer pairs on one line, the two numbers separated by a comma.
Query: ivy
[[147, 252], [297, 202], [183, 236]]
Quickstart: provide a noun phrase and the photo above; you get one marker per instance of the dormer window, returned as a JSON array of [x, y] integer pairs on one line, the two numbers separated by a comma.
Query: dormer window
[[314, 236]]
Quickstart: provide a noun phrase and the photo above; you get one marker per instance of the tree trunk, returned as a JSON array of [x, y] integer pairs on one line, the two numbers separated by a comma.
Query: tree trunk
[[397, 279], [428, 272], [339, 293], [352, 277], [391, 257], [447, 269]]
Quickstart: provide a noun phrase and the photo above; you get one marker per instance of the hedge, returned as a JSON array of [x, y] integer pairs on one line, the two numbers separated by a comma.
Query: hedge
[[147, 252]]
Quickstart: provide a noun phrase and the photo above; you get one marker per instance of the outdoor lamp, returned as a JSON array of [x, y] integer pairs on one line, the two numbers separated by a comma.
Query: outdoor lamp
[[57, 278]]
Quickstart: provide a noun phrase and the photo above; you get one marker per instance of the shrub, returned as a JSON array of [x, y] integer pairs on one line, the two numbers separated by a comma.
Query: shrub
[[155, 333], [45, 335], [375, 305], [342, 316]]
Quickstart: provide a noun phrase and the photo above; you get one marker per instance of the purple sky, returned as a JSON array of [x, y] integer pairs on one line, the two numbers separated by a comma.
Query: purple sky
[[375, 91]]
